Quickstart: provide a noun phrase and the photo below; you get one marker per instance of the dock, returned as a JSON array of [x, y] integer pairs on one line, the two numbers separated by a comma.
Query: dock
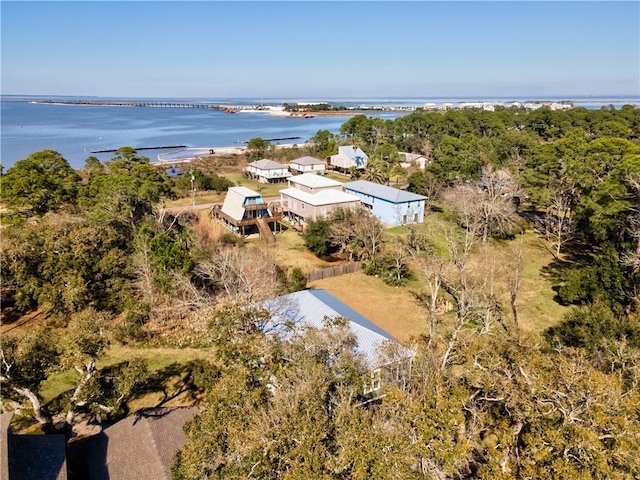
[[137, 149]]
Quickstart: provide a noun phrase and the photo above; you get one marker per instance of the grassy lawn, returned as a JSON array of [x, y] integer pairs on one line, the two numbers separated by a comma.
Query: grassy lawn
[[399, 314], [206, 197], [537, 309], [265, 189], [167, 363], [339, 177], [394, 309], [289, 251]]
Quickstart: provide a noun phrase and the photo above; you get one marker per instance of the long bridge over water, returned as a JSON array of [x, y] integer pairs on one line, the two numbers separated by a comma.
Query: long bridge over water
[[151, 104]]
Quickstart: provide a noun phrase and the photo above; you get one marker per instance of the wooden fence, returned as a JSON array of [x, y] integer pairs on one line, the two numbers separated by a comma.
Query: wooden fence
[[330, 272]]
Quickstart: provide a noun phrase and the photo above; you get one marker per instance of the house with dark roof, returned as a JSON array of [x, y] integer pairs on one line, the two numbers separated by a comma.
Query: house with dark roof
[[306, 165], [267, 171], [383, 355], [31, 457], [141, 446], [347, 157], [310, 196], [391, 206], [245, 212]]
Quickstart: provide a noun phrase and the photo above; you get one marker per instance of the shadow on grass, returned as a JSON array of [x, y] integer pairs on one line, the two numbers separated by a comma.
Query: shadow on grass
[[130, 380], [574, 255]]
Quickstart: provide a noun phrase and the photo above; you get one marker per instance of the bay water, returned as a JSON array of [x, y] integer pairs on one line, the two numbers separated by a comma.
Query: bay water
[[76, 130]]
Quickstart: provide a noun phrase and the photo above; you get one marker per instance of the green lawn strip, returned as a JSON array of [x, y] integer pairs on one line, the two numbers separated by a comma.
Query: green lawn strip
[[264, 189], [536, 304], [157, 359]]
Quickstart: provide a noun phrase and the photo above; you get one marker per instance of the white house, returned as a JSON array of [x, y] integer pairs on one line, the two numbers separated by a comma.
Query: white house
[[268, 171], [307, 165], [414, 160], [310, 196], [347, 157], [381, 353]]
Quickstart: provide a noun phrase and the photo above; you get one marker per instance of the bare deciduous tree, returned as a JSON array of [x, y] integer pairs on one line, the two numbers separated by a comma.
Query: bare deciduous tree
[[487, 207], [243, 275], [558, 219]]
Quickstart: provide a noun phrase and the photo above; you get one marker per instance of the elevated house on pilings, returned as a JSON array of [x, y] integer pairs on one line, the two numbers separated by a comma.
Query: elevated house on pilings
[[267, 171], [348, 157], [245, 212]]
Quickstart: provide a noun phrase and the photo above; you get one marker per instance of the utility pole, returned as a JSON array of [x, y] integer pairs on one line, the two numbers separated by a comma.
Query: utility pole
[[193, 188]]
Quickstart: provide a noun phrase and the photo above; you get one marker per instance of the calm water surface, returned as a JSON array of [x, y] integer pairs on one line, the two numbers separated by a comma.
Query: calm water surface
[[76, 130]]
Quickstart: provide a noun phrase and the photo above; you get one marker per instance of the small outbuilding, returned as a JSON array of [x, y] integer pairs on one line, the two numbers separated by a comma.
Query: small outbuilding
[[268, 171], [416, 160], [391, 206], [31, 457]]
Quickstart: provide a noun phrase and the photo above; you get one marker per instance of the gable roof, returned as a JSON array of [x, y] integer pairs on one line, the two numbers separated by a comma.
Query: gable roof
[[307, 161], [234, 201], [266, 164], [323, 197], [140, 446], [352, 152], [312, 180], [410, 157], [383, 192], [309, 308]]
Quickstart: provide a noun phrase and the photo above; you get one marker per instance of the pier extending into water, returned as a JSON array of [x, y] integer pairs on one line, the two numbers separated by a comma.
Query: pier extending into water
[[105, 103]]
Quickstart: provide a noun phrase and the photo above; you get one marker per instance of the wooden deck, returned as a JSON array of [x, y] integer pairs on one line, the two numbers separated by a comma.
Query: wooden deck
[[261, 224]]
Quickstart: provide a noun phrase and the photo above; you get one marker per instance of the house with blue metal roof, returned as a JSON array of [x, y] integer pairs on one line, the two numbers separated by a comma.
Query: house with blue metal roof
[[391, 206], [380, 352]]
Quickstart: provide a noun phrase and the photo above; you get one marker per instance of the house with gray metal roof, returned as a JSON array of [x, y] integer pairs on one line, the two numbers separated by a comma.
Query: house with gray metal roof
[[379, 351], [310, 196], [391, 206], [268, 171], [347, 157], [307, 165]]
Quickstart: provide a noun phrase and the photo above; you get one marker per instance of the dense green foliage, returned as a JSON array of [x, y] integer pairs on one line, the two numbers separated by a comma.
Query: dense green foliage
[[43, 182], [202, 181], [481, 400]]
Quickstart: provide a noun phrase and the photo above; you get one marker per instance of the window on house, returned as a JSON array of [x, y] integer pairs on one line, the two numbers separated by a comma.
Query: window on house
[[302, 205], [374, 383]]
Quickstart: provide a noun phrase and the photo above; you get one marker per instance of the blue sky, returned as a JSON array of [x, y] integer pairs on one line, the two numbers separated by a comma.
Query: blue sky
[[320, 49]]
